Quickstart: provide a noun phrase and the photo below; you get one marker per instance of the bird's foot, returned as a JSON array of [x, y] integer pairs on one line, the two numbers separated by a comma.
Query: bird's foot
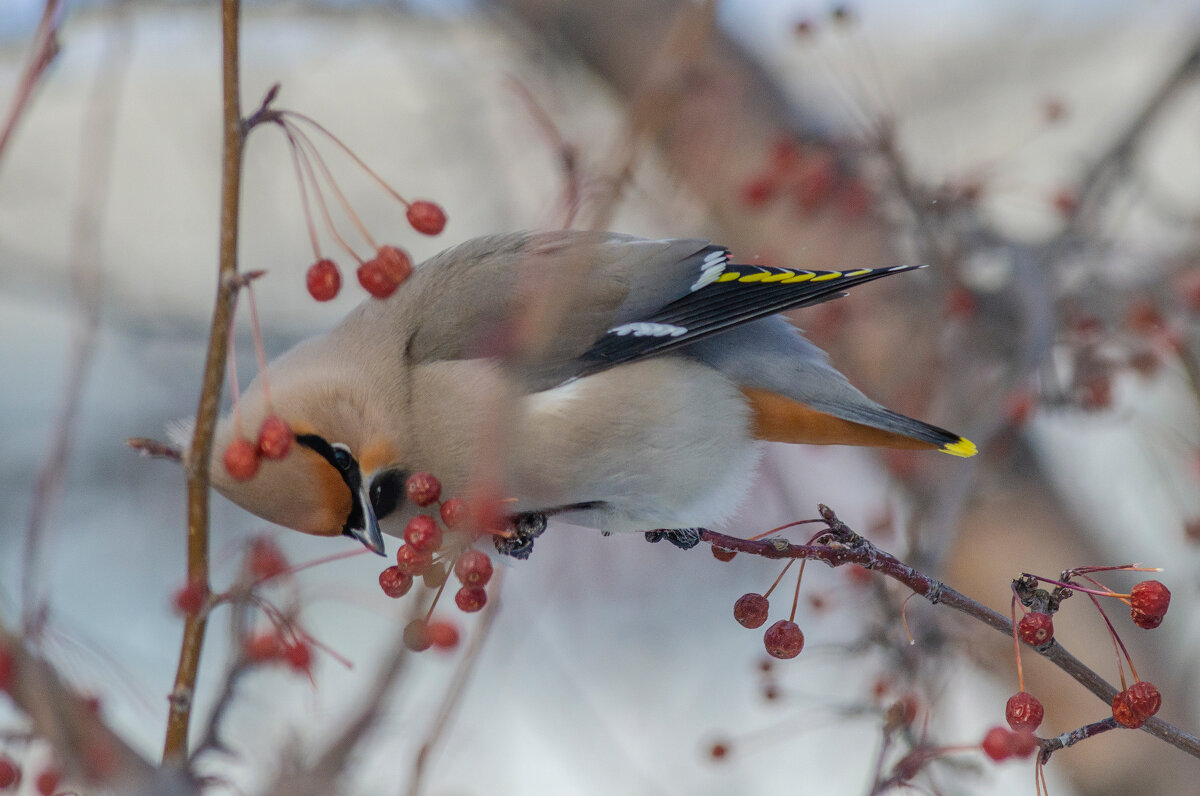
[[522, 530], [683, 538]]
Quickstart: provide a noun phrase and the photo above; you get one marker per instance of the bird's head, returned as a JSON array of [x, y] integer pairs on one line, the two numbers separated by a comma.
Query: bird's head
[[340, 476]]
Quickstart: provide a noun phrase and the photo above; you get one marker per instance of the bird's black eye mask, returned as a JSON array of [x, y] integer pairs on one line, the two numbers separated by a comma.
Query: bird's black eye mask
[[387, 488], [340, 458]]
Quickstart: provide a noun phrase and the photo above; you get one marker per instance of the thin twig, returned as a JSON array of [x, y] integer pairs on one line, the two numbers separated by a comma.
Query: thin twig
[[454, 691], [45, 50], [99, 123], [200, 454], [848, 547]]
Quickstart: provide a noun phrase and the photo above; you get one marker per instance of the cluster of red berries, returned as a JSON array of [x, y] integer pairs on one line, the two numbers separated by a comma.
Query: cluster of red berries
[[45, 784], [242, 456], [425, 553], [1001, 744], [784, 639], [383, 273], [813, 179]]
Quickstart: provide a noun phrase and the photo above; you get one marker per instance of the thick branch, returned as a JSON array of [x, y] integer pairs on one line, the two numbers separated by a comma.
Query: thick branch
[[847, 547]]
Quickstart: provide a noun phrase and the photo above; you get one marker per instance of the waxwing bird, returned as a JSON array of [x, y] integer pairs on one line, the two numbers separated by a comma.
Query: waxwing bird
[[643, 408]]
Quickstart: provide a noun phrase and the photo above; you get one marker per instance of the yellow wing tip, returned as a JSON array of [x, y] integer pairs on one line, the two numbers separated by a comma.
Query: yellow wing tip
[[962, 447]]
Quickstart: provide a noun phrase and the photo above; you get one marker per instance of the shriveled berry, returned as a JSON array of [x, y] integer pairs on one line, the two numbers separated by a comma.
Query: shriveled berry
[[423, 534], [721, 554], [473, 568], [241, 459], [423, 489], [263, 647], [298, 656], [47, 781], [274, 438], [1024, 712], [997, 743], [411, 562], [1149, 601], [1144, 699], [470, 599], [784, 639], [375, 280], [1123, 712], [426, 217], [394, 582], [435, 575], [189, 598], [1036, 628], [395, 263], [323, 279], [416, 635], [751, 610], [442, 634], [454, 511], [10, 773], [266, 559]]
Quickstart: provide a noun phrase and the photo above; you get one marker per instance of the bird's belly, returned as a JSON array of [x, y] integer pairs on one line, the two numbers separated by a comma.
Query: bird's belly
[[662, 443]]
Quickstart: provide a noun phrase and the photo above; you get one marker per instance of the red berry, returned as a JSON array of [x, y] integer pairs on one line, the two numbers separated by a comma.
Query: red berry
[[423, 534], [375, 280], [298, 656], [470, 599], [1149, 601], [263, 647], [721, 554], [423, 489], [99, 758], [394, 582], [1023, 743], [751, 610], [1144, 699], [1036, 628], [416, 635], [410, 562], [395, 263], [241, 459], [1065, 202], [473, 568], [454, 511], [8, 668], [1123, 712], [266, 559], [442, 634], [190, 598], [784, 639], [324, 280], [47, 781], [997, 744], [760, 190], [719, 750], [10, 773], [1024, 712], [274, 438], [426, 217]]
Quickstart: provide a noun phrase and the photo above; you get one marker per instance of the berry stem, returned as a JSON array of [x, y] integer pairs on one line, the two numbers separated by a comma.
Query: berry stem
[[231, 372], [259, 352], [338, 142], [1118, 645], [796, 594], [304, 200], [330, 227], [1017, 643], [785, 527], [315, 155], [786, 567]]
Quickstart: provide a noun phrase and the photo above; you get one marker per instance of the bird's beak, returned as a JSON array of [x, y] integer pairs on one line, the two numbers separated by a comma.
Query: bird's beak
[[369, 534]]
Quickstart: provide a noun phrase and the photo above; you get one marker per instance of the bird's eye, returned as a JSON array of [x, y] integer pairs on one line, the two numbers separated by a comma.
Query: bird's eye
[[386, 491], [341, 457]]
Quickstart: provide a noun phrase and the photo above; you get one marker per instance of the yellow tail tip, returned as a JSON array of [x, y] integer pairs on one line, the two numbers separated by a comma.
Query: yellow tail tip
[[962, 447]]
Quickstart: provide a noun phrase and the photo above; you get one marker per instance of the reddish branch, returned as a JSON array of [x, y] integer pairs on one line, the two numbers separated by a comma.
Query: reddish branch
[[45, 49], [844, 546]]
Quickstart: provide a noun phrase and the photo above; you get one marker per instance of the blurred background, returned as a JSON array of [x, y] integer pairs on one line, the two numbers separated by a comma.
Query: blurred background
[[1044, 158]]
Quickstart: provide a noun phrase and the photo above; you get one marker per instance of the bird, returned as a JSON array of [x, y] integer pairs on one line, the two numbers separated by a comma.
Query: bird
[[643, 406]]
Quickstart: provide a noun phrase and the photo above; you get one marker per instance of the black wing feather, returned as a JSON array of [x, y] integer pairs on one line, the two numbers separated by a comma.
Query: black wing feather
[[729, 301]]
